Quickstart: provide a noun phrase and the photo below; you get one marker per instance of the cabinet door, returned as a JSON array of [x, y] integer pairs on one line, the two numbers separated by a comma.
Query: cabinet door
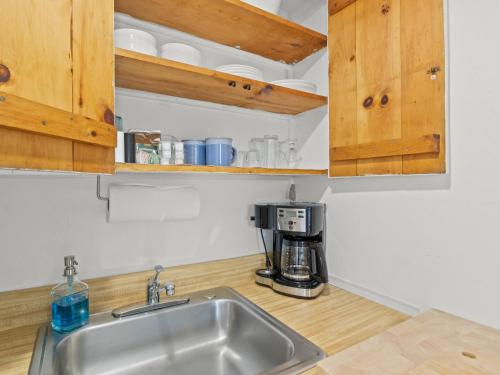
[[40, 51], [387, 84]]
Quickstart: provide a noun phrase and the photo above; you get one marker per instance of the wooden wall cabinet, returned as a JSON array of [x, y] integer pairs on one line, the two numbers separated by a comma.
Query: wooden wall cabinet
[[56, 85], [387, 87]]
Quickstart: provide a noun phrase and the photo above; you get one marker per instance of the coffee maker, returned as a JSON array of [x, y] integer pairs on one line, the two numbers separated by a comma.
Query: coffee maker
[[296, 264]]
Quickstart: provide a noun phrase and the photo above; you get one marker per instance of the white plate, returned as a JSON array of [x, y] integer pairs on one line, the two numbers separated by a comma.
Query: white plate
[[136, 40], [183, 53], [242, 71], [297, 84]]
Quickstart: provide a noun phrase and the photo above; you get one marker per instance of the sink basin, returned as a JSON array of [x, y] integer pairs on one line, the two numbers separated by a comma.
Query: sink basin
[[217, 332]]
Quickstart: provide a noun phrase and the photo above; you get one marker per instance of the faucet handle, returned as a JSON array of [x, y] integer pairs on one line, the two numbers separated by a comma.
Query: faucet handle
[[154, 279], [169, 288]]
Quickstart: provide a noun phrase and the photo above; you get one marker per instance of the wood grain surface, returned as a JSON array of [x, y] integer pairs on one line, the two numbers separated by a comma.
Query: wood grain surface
[[433, 343], [57, 53], [343, 87], [35, 46], [93, 78], [156, 168], [334, 321], [23, 114], [233, 23], [153, 74], [394, 147], [423, 100], [392, 53], [378, 56]]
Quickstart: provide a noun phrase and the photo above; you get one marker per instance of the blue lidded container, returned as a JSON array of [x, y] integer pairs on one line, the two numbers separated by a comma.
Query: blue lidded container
[[220, 151], [194, 152]]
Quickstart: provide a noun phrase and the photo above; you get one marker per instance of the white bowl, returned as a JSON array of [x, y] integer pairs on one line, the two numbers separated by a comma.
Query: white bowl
[[297, 84], [271, 6], [136, 40], [181, 52]]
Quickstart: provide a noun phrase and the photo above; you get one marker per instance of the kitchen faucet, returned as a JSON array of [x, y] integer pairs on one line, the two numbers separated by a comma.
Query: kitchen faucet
[[153, 300], [154, 287]]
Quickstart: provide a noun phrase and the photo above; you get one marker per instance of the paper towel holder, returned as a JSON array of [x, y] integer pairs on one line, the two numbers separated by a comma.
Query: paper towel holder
[[98, 191]]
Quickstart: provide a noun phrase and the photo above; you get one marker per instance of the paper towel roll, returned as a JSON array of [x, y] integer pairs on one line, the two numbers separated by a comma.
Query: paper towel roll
[[136, 203]]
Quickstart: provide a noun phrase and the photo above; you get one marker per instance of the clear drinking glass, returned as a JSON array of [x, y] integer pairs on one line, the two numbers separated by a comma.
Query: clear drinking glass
[[257, 144], [240, 159], [253, 159], [271, 150], [289, 153]]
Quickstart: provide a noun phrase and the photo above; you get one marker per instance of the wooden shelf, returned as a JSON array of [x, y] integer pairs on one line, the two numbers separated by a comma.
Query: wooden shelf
[[232, 23], [155, 168], [149, 73]]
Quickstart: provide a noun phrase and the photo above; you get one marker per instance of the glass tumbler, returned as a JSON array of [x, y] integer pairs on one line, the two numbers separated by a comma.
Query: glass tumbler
[[252, 159], [271, 150]]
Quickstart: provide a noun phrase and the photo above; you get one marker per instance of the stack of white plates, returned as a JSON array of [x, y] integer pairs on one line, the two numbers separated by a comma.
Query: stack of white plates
[[242, 71], [183, 53], [136, 40], [297, 84]]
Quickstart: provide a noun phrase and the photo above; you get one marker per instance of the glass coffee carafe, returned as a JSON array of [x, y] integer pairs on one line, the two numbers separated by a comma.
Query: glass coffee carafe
[[297, 260]]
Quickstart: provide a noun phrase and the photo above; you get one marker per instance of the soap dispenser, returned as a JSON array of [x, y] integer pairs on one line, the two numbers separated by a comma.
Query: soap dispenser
[[70, 300]]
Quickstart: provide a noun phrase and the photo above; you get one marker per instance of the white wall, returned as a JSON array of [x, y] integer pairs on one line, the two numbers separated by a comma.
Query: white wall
[[43, 218], [432, 241]]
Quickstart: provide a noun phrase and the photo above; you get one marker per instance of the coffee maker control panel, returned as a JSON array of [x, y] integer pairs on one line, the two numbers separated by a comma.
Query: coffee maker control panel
[[291, 220]]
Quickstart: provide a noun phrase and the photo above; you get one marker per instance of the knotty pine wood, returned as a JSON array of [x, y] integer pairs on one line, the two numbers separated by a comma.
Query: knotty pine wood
[[378, 55], [56, 52], [36, 48], [433, 343], [423, 101], [232, 23], [393, 46], [395, 147], [156, 168], [93, 78], [335, 6], [22, 114], [149, 73], [334, 321], [343, 86]]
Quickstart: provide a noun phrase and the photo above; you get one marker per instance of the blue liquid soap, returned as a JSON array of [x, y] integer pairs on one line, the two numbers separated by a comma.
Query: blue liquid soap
[[70, 301], [70, 313]]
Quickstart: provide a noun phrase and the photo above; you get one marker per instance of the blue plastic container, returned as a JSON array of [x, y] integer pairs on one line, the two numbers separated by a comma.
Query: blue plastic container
[[194, 152], [220, 151]]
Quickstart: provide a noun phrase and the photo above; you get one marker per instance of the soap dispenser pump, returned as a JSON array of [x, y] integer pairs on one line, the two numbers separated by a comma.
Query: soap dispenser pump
[[70, 300]]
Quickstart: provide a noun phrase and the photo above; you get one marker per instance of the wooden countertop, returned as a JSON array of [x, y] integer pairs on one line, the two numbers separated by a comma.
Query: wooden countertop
[[334, 321], [433, 343]]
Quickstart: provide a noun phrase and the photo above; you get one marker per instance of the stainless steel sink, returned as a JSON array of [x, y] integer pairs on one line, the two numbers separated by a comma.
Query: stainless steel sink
[[217, 332]]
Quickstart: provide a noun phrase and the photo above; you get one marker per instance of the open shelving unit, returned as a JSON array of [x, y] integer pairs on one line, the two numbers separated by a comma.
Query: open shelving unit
[[155, 168], [232, 23], [228, 22], [154, 74]]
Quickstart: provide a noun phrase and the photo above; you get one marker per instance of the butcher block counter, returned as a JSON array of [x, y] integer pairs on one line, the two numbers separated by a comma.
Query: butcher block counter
[[334, 321], [433, 343]]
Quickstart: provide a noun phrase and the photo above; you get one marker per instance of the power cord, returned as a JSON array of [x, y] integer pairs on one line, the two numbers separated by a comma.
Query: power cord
[[268, 261]]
